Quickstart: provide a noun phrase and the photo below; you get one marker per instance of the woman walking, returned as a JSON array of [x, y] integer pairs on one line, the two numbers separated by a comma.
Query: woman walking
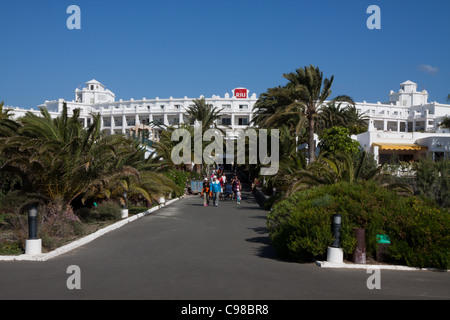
[[215, 189]]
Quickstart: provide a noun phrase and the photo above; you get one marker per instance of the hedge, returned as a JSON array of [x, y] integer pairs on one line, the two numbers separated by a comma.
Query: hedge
[[300, 226]]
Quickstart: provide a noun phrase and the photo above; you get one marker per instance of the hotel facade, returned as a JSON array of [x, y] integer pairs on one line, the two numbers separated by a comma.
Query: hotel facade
[[407, 126]]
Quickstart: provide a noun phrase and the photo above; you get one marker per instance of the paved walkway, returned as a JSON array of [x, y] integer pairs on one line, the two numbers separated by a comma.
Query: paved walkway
[[190, 252]]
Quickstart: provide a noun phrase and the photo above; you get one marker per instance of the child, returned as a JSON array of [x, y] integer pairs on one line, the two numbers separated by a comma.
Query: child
[[238, 195]]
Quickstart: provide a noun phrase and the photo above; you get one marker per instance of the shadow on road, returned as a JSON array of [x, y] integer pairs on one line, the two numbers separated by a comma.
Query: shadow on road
[[266, 250]]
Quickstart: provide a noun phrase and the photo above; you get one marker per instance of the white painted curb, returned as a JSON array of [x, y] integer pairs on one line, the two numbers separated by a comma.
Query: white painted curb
[[326, 264], [81, 242]]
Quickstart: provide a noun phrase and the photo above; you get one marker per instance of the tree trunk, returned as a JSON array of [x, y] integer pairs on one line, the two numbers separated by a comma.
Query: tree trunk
[[311, 144]]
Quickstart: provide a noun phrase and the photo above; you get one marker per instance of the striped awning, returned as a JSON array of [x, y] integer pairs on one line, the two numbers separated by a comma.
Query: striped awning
[[396, 146]]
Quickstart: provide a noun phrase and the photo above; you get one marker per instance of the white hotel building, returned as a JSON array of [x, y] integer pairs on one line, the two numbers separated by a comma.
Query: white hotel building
[[407, 125]]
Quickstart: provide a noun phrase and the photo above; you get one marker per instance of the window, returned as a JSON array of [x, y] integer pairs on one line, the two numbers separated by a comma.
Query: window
[[226, 106], [226, 121], [243, 107], [243, 121]]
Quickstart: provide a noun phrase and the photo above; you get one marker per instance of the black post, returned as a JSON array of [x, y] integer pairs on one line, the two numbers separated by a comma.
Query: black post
[[336, 228], [32, 223]]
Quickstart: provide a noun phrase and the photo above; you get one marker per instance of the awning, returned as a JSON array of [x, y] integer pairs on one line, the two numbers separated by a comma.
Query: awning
[[403, 147]]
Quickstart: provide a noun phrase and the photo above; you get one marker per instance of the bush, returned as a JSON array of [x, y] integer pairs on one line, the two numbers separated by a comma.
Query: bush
[[433, 180], [10, 248], [300, 226], [180, 178], [107, 211]]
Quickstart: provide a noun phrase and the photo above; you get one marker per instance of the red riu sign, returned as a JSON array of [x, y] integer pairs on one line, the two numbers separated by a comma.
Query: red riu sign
[[240, 93]]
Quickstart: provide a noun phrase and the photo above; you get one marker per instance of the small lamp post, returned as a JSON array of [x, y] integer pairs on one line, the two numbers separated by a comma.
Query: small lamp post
[[334, 252], [336, 227], [33, 245], [125, 206]]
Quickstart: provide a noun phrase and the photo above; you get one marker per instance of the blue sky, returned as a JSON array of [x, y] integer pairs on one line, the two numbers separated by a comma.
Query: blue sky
[[142, 48]]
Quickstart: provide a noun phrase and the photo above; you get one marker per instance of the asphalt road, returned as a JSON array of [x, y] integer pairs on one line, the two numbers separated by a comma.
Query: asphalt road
[[189, 252]]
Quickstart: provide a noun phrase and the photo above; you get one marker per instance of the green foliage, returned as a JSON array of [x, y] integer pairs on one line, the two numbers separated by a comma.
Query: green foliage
[[445, 124], [10, 248], [136, 210], [300, 226], [433, 180], [180, 178], [297, 103], [337, 139], [59, 159], [205, 113], [331, 115], [107, 211]]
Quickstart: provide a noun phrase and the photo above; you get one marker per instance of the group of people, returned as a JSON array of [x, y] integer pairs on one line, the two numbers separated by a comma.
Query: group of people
[[215, 188]]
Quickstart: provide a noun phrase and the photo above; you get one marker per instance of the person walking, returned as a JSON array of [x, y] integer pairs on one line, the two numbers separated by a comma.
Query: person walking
[[223, 181], [238, 195], [236, 184], [206, 192], [215, 189]]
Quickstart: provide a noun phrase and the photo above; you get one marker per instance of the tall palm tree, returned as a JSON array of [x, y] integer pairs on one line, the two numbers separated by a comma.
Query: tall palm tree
[[205, 113], [311, 91], [297, 103], [271, 110]]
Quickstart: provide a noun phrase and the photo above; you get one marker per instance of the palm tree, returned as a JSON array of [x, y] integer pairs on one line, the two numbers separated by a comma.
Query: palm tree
[[204, 113], [297, 103], [59, 159], [355, 122], [271, 110], [7, 126], [331, 115], [334, 168], [149, 186], [311, 91]]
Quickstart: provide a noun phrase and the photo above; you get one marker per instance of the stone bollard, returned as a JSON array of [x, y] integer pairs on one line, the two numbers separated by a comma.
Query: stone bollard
[[359, 254]]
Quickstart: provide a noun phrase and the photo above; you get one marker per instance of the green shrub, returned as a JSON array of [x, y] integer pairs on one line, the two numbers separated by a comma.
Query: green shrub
[[136, 210], [272, 200], [10, 248], [180, 178], [107, 211], [300, 226], [433, 180]]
